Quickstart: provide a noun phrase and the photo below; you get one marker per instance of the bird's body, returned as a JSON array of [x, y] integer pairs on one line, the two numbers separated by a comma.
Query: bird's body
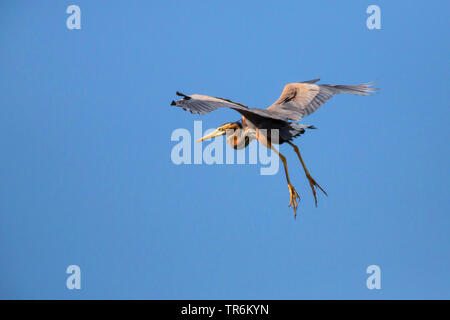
[[244, 131], [273, 125]]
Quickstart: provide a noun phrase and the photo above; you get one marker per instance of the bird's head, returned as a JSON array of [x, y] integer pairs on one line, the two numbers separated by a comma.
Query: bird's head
[[227, 128]]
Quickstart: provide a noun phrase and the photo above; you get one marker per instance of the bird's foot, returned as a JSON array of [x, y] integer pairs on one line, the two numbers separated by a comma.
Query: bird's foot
[[294, 196], [313, 184]]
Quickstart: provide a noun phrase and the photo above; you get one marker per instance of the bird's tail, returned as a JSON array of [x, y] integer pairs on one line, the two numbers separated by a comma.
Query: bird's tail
[[292, 130], [359, 89]]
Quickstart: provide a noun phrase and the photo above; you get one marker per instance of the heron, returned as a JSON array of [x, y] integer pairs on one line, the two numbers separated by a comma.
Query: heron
[[276, 124]]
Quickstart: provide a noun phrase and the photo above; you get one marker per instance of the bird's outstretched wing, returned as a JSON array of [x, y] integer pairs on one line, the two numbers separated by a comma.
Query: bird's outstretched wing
[[303, 98], [201, 104]]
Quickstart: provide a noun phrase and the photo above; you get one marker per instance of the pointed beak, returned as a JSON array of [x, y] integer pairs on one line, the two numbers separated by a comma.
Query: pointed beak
[[215, 133]]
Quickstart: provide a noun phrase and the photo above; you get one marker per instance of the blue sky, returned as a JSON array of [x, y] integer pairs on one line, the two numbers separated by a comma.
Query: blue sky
[[87, 177]]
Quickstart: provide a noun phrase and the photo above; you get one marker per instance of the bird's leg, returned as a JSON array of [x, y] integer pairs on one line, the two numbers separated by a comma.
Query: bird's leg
[[312, 182], [293, 194]]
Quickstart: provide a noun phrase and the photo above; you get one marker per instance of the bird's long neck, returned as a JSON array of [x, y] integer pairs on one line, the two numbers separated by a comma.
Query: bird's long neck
[[240, 138]]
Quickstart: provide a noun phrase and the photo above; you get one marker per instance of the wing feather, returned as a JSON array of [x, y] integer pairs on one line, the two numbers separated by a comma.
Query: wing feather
[[296, 101], [300, 99], [201, 104]]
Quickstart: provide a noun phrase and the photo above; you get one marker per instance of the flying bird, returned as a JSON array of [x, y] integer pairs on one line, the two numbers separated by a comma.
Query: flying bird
[[274, 125]]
